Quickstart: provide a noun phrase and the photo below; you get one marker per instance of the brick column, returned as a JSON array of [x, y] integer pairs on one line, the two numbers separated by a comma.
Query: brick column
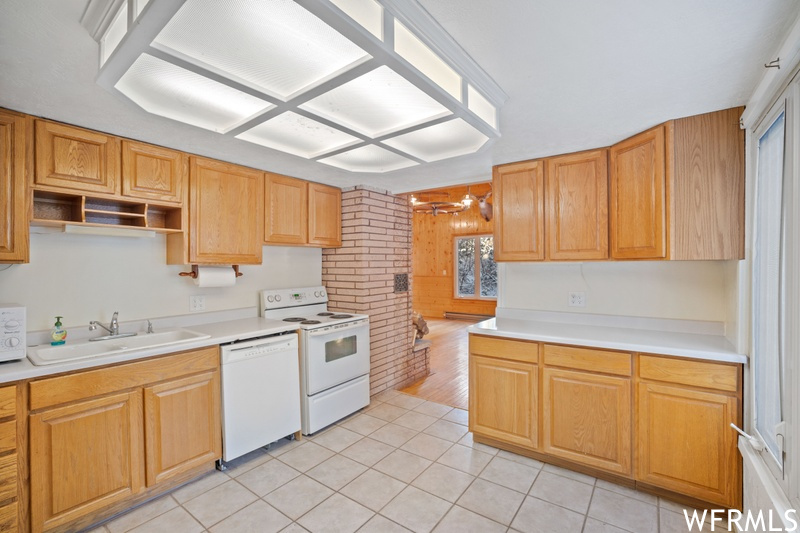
[[360, 277]]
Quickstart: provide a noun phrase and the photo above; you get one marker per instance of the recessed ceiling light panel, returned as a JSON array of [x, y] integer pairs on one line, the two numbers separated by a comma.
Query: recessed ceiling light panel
[[173, 92], [418, 54], [368, 13], [298, 135], [369, 158], [361, 104], [448, 139], [277, 46], [479, 105]]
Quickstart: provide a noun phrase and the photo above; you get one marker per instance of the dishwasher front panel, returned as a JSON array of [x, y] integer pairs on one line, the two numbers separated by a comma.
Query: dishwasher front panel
[[260, 395]]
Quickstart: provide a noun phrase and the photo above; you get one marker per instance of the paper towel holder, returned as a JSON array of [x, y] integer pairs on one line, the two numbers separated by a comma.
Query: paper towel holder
[[193, 273]]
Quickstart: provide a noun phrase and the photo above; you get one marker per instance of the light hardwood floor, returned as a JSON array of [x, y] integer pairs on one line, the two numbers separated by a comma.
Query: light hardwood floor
[[448, 382]]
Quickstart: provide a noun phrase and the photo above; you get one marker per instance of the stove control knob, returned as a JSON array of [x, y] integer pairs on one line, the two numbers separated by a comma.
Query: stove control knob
[[270, 298], [12, 342], [278, 298], [12, 324], [316, 294], [322, 294]]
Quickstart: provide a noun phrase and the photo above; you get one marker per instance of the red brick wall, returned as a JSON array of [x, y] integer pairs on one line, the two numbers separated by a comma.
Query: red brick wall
[[359, 276]]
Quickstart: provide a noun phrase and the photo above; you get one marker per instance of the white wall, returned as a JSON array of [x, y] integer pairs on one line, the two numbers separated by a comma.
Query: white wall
[[88, 277], [691, 290]]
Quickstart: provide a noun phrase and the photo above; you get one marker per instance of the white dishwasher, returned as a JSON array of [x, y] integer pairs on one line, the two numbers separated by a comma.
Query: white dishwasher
[[260, 393]]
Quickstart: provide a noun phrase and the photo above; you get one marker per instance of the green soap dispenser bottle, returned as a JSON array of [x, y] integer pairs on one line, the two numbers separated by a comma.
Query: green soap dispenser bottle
[[58, 333]]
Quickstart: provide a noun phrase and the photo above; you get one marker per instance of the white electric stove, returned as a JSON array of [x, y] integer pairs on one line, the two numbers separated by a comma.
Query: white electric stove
[[334, 354]]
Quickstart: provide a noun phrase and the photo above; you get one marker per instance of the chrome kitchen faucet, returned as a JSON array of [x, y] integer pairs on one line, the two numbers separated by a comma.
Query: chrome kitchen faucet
[[113, 329]]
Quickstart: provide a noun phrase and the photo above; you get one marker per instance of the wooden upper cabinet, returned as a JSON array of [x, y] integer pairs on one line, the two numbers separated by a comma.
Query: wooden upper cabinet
[[519, 211], [637, 201], [181, 425], [707, 186], [13, 189], [153, 173], [577, 206], [225, 221], [285, 210], [76, 159], [324, 215]]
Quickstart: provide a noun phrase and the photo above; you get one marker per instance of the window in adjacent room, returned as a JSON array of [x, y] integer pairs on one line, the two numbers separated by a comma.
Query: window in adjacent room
[[476, 271]]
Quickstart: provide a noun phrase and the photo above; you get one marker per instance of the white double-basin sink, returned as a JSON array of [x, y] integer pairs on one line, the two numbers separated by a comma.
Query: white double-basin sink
[[50, 355]]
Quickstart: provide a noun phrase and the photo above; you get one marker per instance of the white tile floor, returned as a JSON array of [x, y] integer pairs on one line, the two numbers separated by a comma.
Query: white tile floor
[[401, 464]]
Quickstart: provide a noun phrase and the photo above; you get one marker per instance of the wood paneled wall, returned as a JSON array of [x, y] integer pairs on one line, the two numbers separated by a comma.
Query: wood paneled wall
[[432, 255]]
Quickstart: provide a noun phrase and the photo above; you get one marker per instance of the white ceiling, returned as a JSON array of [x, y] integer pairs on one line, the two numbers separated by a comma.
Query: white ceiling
[[579, 74]]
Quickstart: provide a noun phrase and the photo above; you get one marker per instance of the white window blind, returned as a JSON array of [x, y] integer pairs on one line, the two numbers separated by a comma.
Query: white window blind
[[768, 364]]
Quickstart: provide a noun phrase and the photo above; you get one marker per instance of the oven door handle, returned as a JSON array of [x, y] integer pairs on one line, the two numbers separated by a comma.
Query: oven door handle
[[336, 329]]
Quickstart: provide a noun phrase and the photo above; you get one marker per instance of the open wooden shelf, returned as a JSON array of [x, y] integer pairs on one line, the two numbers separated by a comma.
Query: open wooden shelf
[[59, 209]]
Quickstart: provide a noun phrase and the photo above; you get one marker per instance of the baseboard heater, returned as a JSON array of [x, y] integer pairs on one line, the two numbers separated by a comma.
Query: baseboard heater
[[466, 316]]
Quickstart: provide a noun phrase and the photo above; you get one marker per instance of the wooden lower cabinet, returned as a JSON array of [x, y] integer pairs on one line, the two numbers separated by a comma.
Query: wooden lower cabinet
[[84, 457], [182, 425], [685, 443], [586, 418], [662, 423], [102, 439], [503, 400]]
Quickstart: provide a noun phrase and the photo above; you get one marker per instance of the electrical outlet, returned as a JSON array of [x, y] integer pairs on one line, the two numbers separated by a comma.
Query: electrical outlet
[[197, 303], [577, 299]]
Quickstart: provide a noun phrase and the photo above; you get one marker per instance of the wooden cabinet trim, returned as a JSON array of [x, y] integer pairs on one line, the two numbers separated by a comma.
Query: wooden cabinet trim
[[589, 359], [324, 215], [92, 158], [15, 153], [503, 348], [80, 385], [519, 216], [165, 182], [687, 458], [8, 401], [175, 442], [285, 209], [577, 206], [709, 375], [52, 505], [638, 202], [518, 425], [226, 223], [587, 414]]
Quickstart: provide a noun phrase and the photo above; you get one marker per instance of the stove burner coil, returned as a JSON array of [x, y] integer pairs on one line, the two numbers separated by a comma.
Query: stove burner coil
[[294, 319], [341, 316]]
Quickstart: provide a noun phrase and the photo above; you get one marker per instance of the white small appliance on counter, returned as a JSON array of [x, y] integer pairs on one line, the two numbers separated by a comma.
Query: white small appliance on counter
[[12, 332], [334, 354]]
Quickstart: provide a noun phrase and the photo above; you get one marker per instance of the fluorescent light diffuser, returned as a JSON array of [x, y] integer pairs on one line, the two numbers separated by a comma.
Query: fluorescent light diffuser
[[170, 91], [277, 46], [479, 105], [448, 139], [298, 135], [368, 13], [418, 54], [369, 158], [116, 31], [377, 103]]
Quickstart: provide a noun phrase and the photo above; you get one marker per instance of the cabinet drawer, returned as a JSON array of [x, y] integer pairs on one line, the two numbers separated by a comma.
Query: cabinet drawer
[[8, 401], [603, 361], [8, 518], [716, 376], [8, 477], [8, 436], [504, 348]]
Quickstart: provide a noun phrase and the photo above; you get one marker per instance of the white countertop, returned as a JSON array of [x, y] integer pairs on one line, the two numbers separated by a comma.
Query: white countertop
[[220, 333], [710, 347]]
